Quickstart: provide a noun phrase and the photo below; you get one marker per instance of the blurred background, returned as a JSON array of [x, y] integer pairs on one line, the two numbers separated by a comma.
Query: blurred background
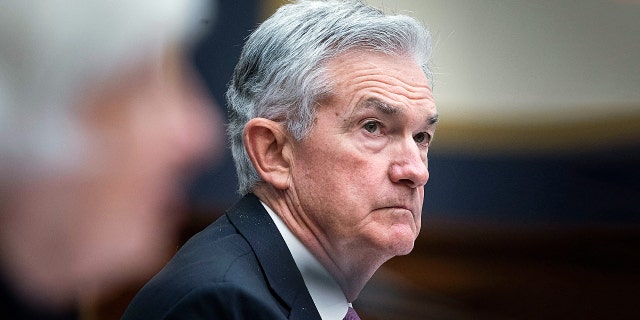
[[532, 209]]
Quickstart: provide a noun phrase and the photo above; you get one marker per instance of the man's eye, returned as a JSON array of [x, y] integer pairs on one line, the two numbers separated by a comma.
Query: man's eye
[[421, 137], [372, 126]]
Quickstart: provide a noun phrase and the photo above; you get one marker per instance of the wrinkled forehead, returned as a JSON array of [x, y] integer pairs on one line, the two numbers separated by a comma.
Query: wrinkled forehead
[[391, 78], [381, 58]]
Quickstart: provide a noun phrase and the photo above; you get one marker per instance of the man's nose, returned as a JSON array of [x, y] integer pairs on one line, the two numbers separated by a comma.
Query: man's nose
[[409, 165]]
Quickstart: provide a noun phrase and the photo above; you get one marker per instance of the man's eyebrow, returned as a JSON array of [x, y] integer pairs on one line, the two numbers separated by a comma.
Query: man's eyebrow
[[381, 106], [392, 110], [433, 120]]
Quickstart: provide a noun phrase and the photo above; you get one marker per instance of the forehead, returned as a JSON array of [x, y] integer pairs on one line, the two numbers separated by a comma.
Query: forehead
[[357, 76]]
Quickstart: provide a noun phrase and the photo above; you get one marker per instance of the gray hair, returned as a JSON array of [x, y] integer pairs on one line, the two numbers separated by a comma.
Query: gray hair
[[281, 74], [50, 51]]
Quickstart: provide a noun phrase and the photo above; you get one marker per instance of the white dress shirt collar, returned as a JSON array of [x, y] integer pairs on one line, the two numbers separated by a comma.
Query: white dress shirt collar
[[324, 290]]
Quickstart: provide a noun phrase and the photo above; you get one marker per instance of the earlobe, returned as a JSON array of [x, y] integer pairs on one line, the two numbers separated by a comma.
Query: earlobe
[[267, 145]]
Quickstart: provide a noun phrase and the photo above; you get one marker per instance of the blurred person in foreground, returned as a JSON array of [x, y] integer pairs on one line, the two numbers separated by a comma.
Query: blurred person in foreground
[[100, 118], [331, 117]]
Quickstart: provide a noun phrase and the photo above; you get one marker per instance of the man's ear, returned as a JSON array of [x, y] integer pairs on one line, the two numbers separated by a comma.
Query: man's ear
[[268, 147]]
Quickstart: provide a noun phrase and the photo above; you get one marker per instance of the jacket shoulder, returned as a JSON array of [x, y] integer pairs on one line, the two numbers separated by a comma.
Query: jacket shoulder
[[214, 270]]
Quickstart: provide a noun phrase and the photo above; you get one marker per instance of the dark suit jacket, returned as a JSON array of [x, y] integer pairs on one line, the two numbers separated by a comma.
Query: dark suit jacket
[[239, 267]]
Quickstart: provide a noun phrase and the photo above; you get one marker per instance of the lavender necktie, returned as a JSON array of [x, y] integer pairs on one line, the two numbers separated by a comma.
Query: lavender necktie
[[351, 315]]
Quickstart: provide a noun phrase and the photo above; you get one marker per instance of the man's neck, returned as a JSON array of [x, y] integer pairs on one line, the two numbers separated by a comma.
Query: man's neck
[[351, 275], [324, 290]]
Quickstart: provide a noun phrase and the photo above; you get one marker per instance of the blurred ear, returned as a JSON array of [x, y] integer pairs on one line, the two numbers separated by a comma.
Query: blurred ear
[[269, 150]]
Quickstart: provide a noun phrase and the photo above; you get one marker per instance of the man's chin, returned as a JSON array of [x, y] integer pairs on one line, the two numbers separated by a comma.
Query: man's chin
[[402, 242], [404, 249]]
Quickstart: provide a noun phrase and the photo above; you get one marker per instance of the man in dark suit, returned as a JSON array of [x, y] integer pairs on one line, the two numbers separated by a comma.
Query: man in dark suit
[[234, 269], [331, 118]]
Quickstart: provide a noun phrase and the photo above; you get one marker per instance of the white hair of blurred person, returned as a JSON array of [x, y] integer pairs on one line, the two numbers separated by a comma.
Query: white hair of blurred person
[[99, 120], [49, 52]]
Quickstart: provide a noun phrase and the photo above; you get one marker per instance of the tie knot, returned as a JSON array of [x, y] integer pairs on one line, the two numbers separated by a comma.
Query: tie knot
[[351, 315]]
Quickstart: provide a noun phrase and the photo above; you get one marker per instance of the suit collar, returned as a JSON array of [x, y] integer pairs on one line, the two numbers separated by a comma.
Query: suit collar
[[255, 225]]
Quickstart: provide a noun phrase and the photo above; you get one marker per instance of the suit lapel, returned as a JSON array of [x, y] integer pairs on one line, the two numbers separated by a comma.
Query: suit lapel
[[254, 223]]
